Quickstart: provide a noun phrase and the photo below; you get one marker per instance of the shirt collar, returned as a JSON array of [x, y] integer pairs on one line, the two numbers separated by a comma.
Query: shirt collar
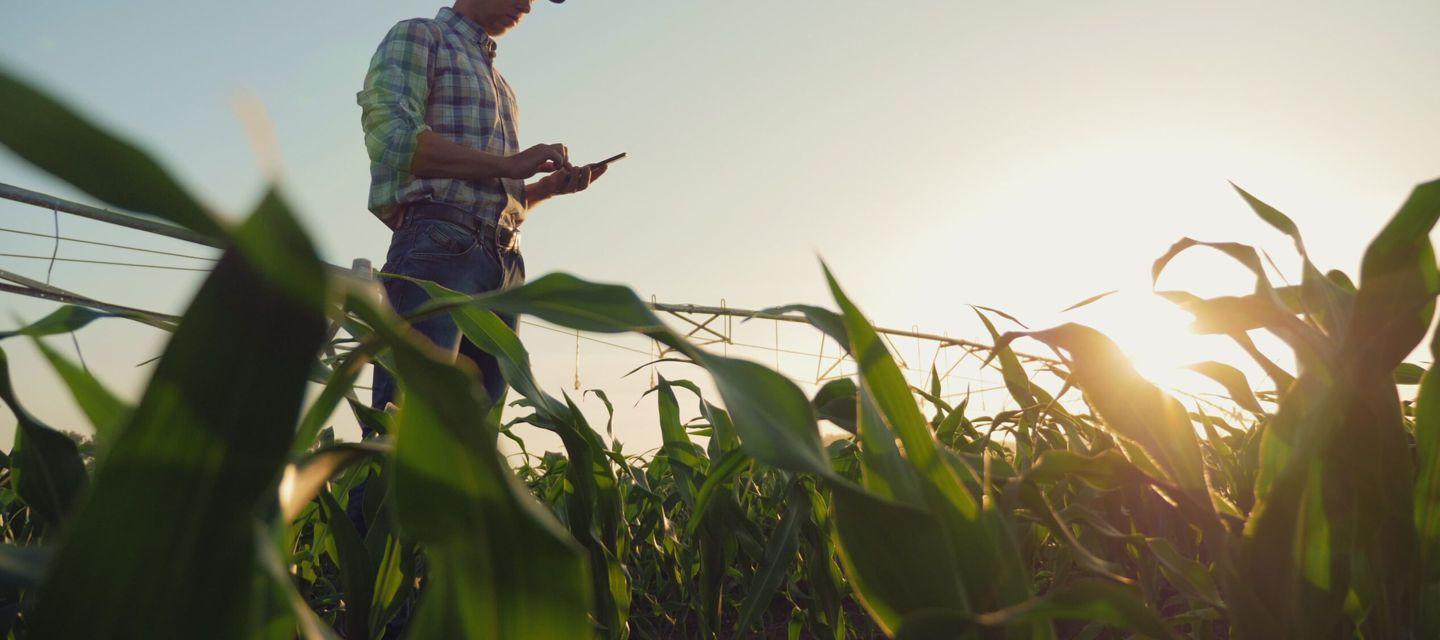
[[467, 28]]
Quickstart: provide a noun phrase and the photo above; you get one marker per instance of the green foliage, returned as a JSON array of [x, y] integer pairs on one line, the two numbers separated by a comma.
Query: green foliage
[[221, 505], [45, 467]]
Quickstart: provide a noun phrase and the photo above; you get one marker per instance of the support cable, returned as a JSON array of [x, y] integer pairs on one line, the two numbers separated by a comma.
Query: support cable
[[108, 244], [777, 345], [55, 251], [53, 259], [49, 271], [725, 346]]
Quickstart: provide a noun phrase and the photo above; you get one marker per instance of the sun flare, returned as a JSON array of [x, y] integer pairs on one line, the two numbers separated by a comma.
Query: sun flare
[[1157, 339]]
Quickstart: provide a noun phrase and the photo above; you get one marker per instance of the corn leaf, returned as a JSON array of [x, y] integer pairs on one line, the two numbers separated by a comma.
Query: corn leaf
[[990, 570], [775, 566], [106, 412], [302, 481], [1233, 380], [185, 475], [1086, 600], [898, 558], [1427, 488], [357, 573], [1324, 300], [45, 464], [1132, 406], [70, 318], [500, 565]]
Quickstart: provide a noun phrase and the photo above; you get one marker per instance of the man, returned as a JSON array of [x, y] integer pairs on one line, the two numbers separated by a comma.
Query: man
[[447, 172]]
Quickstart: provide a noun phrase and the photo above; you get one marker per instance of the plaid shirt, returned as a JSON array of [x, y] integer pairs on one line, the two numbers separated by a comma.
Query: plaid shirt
[[438, 75]]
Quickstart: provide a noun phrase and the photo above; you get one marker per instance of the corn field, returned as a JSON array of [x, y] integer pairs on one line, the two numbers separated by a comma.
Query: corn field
[[221, 506]]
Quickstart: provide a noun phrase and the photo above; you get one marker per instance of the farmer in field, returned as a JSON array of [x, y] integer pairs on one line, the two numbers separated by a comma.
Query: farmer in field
[[447, 171]]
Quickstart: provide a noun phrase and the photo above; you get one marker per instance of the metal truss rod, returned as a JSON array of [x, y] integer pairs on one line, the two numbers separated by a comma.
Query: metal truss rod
[[799, 319]]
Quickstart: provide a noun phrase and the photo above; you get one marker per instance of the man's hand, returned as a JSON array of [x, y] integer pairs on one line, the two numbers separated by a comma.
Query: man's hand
[[563, 181], [541, 158], [571, 180]]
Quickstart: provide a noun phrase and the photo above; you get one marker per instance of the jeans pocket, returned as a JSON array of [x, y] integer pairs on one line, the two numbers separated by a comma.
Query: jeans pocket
[[439, 240]]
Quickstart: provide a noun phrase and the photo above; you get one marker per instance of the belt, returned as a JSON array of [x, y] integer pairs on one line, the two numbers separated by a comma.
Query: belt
[[502, 237]]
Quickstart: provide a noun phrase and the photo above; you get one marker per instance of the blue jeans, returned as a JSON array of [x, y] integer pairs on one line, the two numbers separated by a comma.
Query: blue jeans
[[455, 257]]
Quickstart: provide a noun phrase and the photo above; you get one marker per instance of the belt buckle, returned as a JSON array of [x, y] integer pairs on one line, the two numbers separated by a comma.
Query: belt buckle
[[507, 238]]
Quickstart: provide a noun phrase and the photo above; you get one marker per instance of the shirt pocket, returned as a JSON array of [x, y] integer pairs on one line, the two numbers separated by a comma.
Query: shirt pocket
[[458, 99]]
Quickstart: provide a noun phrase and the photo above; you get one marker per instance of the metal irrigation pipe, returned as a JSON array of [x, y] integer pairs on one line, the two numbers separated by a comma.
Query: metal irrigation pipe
[[129, 221], [46, 201]]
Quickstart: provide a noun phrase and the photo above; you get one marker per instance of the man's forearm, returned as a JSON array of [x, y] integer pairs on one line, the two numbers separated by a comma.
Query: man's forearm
[[535, 193], [437, 157]]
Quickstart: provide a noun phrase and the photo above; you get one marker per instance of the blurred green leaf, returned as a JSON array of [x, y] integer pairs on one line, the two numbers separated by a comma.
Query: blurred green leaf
[[1408, 374], [106, 412], [45, 464], [594, 509], [70, 318], [302, 481], [836, 402], [1394, 306], [1335, 493], [338, 386], [186, 474], [1427, 480], [500, 565], [898, 558], [1398, 284], [357, 574]]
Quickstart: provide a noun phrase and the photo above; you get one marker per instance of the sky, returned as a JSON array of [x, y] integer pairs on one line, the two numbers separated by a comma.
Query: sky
[[935, 154]]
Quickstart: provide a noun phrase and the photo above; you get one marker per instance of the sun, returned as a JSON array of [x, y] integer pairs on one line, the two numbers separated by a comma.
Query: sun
[[1156, 337]]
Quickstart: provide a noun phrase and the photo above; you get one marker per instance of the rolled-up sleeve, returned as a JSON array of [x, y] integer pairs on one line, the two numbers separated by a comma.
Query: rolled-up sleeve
[[392, 103]]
